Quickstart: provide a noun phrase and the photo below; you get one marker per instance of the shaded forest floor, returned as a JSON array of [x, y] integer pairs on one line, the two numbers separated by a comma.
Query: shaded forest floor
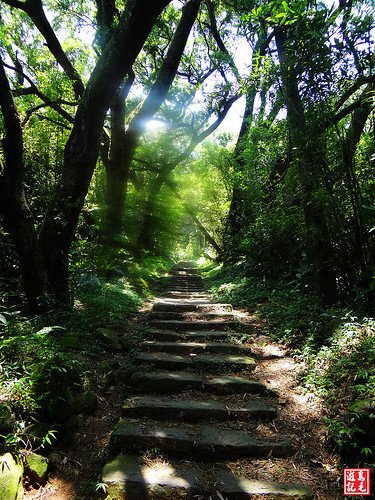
[[327, 366], [78, 463]]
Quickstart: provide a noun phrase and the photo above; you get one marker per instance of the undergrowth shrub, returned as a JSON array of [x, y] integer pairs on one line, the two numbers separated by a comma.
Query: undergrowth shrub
[[337, 346], [47, 361]]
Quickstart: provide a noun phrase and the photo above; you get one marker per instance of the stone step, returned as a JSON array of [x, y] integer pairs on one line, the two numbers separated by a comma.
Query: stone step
[[184, 271], [195, 347], [185, 295], [187, 281], [202, 442], [159, 408], [174, 382], [188, 278], [164, 335], [129, 477], [168, 306], [179, 282], [176, 325], [177, 300], [201, 361], [191, 316], [185, 284]]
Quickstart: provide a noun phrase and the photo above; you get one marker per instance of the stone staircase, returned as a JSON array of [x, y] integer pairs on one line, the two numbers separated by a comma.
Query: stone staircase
[[194, 408]]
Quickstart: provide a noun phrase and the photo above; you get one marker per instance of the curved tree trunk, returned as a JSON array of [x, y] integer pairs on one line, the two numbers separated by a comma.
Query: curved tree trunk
[[14, 208], [81, 151]]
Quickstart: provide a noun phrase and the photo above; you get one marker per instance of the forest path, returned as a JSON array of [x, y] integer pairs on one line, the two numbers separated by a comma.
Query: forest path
[[203, 421]]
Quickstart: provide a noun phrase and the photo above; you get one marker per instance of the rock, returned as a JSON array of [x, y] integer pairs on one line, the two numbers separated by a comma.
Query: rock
[[111, 338], [90, 401], [107, 373], [36, 468], [11, 473], [74, 421]]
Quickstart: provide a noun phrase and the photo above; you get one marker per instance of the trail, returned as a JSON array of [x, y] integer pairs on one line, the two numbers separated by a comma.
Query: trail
[[204, 421]]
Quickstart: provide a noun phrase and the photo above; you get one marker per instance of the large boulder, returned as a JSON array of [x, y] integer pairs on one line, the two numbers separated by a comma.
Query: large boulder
[[11, 472]]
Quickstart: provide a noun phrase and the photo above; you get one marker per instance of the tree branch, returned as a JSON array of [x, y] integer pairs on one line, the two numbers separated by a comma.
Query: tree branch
[[43, 97], [34, 9], [348, 109]]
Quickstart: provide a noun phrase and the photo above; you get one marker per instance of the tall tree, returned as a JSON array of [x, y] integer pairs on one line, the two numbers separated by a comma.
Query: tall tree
[[82, 147], [14, 208], [124, 142]]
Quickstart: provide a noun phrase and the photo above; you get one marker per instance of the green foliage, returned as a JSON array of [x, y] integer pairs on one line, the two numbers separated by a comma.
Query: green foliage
[[44, 370]]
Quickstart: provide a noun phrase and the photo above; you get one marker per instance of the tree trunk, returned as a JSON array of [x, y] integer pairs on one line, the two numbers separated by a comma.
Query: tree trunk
[[146, 240], [117, 165], [118, 173], [357, 123], [308, 157], [81, 150], [234, 222], [14, 208]]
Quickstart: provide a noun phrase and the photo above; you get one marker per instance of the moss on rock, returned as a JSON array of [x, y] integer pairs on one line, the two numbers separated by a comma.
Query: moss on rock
[[37, 467], [11, 472]]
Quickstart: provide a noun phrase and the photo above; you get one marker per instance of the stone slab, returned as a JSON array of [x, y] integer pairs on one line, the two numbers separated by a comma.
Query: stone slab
[[194, 347], [188, 316], [186, 306], [189, 410], [164, 335], [129, 478], [205, 361], [180, 326], [186, 295], [204, 442], [172, 382]]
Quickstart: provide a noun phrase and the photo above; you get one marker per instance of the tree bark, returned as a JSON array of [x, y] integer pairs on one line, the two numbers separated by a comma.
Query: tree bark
[[358, 121], [307, 155], [81, 151], [118, 173], [14, 208]]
